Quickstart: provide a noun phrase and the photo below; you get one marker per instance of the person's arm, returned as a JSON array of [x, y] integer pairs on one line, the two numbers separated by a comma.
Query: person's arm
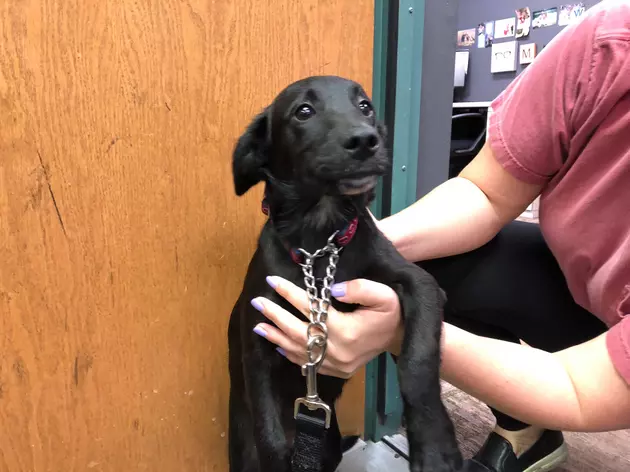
[[577, 389], [461, 214], [530, 136]]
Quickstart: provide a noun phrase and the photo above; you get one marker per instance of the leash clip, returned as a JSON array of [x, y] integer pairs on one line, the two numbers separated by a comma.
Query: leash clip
[[312, 400]]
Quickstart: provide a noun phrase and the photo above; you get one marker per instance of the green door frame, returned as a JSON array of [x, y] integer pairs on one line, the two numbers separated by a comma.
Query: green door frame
[[398, 45]]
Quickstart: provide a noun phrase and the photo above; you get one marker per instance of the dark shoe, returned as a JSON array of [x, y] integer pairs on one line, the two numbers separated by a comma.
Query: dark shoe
[[497, 455], [473, 466]]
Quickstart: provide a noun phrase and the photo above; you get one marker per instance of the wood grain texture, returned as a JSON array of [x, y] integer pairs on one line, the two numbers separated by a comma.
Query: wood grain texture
[[122, 245]]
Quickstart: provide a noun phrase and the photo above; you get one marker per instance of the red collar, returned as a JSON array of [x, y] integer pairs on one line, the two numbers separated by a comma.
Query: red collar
[[342, 238]]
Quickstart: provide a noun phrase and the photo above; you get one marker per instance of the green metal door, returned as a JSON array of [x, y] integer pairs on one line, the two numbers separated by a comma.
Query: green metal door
[[398, 45]]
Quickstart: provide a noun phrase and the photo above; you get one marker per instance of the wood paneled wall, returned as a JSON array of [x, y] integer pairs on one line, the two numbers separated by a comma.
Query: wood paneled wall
[[122, 244]]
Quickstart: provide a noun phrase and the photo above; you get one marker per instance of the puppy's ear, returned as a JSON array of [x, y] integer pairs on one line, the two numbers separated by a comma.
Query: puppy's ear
[[251, 154]]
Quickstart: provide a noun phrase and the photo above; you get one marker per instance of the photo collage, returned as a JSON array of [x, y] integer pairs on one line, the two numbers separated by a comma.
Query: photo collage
[[506, 53]]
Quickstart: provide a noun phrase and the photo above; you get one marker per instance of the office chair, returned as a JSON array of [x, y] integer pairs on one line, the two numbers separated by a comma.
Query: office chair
[[468, 135]]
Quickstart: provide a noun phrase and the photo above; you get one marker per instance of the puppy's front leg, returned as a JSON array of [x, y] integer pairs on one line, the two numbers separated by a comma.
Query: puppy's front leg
[[265, 405], [431, 433], [432, 442]]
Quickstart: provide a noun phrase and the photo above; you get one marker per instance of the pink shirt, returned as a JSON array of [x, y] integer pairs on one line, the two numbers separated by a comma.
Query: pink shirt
[[565, 123]]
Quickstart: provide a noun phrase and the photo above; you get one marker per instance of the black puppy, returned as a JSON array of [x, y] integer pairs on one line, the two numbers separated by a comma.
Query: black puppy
[[319, 149]]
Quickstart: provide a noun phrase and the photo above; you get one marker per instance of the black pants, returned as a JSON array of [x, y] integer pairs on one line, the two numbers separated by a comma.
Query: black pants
[[513, 289]]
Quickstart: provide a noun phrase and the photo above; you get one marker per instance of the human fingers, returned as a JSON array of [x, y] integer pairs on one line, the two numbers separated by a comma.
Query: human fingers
[[328, 367], [290, 326], [373, 328], [290, 292], [366, 293], [344, 355], [285, 346], [296, 352]]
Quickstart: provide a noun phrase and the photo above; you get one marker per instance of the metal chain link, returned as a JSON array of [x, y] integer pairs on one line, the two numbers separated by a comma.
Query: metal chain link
[[317, 331]]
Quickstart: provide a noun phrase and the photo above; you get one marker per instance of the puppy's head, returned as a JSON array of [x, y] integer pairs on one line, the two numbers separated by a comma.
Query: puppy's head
[[320, 135]]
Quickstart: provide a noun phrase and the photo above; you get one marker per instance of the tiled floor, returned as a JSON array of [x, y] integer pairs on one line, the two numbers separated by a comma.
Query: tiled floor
[[371, 457]]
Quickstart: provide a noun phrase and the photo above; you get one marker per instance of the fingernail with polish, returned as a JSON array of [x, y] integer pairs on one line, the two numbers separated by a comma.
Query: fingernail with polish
[[281, 351], [257, 304], [338, 290], [260, 331], [272, 281]]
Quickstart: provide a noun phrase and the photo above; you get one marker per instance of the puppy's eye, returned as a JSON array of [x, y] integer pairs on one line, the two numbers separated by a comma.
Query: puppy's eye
[[366, 107], [304, 112]]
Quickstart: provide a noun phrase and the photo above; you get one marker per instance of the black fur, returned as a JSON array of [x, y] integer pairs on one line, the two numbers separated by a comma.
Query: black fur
[[302, 162]]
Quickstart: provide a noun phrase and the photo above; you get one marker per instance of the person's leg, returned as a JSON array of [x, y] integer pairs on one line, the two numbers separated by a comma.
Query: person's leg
[[513, 289]]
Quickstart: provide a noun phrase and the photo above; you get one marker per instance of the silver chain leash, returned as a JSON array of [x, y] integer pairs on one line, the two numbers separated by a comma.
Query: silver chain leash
[[317, 331]]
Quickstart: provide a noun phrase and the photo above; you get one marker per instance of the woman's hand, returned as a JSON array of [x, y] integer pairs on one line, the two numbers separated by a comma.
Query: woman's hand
[[353, 338]]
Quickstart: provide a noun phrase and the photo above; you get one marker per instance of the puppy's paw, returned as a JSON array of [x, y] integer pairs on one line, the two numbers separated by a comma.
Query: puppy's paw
[[436, 459]]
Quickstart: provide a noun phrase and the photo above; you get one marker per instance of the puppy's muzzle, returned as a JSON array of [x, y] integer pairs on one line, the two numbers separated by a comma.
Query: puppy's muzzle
[[362, 144]]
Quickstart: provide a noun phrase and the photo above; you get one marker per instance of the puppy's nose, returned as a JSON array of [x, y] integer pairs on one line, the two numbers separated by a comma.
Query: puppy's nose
[[362, 144]]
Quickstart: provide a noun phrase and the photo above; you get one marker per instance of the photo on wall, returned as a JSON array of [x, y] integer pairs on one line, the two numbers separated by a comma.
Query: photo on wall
[[466, 38], [503, 57], [485, 34], [505, 28], [527, 53], [461, 68], [570, 13], [544, 18], [523, 22]]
